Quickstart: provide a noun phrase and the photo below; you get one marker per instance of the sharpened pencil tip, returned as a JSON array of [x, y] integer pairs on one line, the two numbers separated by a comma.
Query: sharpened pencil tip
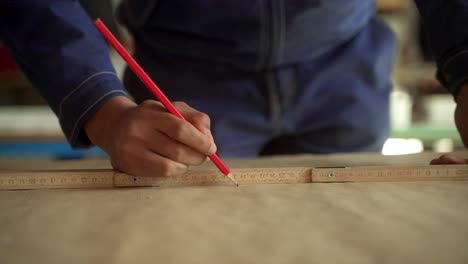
[[232, 179]]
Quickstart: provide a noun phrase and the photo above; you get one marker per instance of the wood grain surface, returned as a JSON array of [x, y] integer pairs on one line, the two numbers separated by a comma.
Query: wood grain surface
[[384, 222]]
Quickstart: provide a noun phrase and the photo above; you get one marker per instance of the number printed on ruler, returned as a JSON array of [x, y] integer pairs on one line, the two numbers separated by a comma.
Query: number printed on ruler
[[389, 173], [110, 178], [273, 175], [55, 179], [204, 178]]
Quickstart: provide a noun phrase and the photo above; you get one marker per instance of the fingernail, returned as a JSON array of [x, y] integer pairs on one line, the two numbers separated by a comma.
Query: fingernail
[[212, 149]]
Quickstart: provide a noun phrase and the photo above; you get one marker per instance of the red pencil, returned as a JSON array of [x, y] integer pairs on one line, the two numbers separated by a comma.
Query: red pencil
[[154, 88]]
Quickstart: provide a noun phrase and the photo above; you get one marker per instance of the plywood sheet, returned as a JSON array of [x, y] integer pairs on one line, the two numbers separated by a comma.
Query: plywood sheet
[[415, 222]]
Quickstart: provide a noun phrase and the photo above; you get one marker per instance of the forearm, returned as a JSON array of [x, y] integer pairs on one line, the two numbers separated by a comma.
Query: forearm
[[64, 56], [461, 113], [445, 25]]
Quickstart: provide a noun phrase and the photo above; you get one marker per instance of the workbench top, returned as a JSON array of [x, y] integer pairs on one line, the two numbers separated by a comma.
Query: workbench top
[[386, 222]]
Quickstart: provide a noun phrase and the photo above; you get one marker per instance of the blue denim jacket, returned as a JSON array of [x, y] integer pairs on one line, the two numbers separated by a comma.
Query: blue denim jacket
[[256, 36], [67, 60]]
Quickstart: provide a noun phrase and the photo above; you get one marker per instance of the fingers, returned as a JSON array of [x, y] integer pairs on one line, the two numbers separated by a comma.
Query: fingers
[[165, 146], [198, 119], [184, 131], [448, 159], [149, 164]]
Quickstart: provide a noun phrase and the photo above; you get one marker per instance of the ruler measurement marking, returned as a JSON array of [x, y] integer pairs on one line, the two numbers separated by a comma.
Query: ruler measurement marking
[[55, 179], [386, 173], [110, 179], [244, 176]]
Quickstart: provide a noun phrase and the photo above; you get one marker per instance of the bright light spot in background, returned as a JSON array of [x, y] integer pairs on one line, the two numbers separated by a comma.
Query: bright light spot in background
[[443, 145], [401, 146]]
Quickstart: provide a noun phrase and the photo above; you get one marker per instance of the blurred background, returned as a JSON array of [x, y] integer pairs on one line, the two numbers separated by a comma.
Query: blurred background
[[421, 110]]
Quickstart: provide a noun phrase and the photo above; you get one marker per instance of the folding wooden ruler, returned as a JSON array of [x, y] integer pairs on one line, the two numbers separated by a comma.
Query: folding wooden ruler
[[53, 179]]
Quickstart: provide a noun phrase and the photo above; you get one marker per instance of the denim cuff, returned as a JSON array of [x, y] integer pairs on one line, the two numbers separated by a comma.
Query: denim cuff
[[453, 71], [82, 102]]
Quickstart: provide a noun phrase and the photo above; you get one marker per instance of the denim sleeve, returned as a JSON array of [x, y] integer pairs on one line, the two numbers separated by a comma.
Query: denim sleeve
[[65, 58], [445, 23]]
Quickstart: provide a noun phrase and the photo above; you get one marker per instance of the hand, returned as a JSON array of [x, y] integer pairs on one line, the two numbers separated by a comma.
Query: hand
[[461, 120], [448, 159], [146, 140], [461, 114]]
